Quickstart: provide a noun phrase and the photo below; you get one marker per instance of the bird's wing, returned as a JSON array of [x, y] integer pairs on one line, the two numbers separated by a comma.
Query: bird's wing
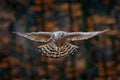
[[37, 36], [52, 51], [75, 36]]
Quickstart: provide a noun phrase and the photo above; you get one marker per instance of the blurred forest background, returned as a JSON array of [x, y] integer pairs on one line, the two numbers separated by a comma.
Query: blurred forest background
[[97, 59]]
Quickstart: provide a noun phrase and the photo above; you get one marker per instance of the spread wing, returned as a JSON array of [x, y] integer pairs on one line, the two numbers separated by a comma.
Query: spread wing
[[36, 36], [75, 36]]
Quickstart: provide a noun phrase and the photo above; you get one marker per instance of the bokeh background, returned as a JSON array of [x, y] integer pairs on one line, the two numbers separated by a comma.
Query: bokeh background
[[97, 59]]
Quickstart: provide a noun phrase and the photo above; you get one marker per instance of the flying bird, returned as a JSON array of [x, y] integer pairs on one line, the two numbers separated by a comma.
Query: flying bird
[[57, 44]]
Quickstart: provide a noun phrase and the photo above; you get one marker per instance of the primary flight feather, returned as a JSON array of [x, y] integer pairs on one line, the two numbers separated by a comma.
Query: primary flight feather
[[57, 44]]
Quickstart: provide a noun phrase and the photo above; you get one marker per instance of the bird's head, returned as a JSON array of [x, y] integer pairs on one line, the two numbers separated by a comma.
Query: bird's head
[[60, 34]]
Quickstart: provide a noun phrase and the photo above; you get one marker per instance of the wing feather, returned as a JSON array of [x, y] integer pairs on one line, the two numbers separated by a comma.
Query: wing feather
[[75, 36], [36, 36], [51, 51]]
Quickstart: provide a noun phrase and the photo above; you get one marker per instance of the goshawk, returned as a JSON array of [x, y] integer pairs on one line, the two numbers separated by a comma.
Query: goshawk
[[57, 44]]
